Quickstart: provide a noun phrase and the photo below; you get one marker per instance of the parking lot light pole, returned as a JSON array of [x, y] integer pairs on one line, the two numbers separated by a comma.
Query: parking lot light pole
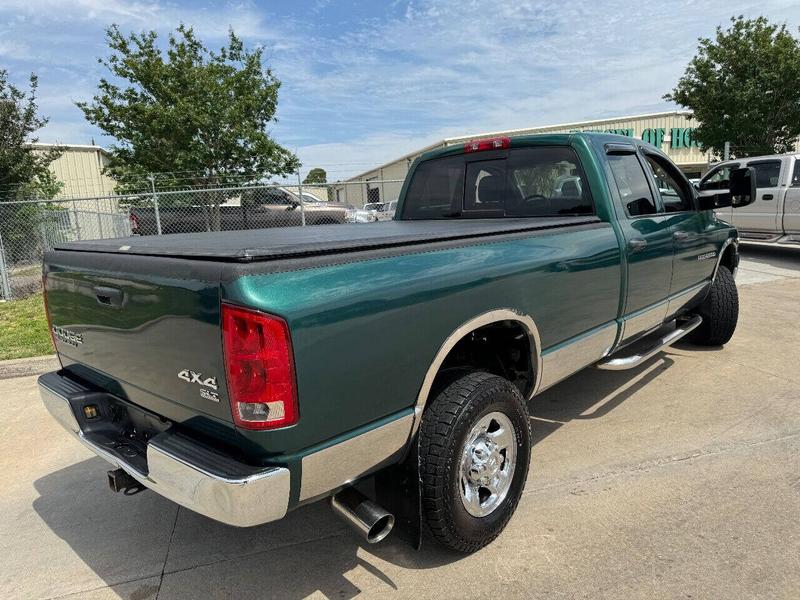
[[300, 195], [5, 284], [155, 204]]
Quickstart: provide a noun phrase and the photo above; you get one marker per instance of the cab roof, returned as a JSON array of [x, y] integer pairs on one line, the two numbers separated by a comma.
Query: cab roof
[[541, 139]]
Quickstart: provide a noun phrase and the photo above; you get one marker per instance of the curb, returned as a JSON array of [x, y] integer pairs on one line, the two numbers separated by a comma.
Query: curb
[[25, 367]]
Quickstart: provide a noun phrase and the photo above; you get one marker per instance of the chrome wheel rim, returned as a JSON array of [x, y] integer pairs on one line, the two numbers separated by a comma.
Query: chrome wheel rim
[[488, 459]]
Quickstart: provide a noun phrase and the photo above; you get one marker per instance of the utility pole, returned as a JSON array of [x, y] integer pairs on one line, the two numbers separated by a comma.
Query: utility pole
[[726, 154]]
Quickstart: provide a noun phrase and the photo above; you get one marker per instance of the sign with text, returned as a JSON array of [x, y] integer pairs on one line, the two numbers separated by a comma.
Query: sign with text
[[679, 137]]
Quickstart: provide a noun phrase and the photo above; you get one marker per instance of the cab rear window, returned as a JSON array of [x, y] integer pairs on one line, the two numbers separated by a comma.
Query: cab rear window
[[524, 182]]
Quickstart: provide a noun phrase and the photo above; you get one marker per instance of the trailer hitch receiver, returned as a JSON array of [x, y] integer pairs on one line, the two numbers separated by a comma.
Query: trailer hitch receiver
[[120, 481]]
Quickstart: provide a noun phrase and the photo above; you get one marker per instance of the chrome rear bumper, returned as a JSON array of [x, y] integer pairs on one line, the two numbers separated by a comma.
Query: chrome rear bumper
[[190, 475]]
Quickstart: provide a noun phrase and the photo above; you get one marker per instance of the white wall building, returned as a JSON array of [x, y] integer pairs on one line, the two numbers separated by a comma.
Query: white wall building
[[671, 131]]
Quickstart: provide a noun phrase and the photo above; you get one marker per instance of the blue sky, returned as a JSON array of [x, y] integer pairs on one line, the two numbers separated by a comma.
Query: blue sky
[[366, 81]]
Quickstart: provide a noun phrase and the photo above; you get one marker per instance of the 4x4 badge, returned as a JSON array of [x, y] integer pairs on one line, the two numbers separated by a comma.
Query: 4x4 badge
[[192, 377]]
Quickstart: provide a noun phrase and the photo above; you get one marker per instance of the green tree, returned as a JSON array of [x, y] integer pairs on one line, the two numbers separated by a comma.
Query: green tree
[[24, 171], [744, 87], [316, 175], [198, 113]]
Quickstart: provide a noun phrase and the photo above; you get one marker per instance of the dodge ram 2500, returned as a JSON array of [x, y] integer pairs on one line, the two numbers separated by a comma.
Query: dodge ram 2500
[[388, 368]]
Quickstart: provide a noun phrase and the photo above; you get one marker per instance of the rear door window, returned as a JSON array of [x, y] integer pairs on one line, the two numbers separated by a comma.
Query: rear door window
[[634, 191], [767, 173]]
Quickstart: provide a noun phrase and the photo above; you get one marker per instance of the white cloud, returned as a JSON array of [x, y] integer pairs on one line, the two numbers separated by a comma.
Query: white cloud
[[210, 21], [12, 49], [471, 66], [362, 93]]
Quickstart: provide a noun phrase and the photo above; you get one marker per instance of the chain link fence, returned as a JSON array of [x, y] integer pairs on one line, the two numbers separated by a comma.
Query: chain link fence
[[31, 227]]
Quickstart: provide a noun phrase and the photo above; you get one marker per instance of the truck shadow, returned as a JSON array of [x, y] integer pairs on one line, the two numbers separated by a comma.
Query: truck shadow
[[785, 257], [131, 540], [154, 547], [590, 394]]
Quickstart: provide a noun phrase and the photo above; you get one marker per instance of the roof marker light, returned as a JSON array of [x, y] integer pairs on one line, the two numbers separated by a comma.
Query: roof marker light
[[498, 143]]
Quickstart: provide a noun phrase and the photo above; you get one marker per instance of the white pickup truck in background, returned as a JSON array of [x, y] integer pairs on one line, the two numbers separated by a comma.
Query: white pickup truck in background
[[775, 215]]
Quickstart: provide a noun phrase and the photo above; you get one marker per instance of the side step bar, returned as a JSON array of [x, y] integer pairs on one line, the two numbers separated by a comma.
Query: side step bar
[[629, 362]]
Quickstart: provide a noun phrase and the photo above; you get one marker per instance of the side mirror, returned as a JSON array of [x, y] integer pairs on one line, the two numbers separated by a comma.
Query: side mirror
[[743, 186], [741, 191]]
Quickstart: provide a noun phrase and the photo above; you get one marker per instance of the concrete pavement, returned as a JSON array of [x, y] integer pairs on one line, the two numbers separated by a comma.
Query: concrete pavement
[[35, 365], [677, 479]]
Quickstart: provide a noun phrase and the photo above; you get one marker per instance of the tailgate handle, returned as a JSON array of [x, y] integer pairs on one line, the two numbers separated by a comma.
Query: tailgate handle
[[108, 296]]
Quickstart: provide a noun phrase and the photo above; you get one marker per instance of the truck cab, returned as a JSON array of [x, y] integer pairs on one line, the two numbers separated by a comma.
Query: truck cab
[[774, 217]]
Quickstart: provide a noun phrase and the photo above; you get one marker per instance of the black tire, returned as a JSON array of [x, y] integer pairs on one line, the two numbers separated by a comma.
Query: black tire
[[446, 425], [720, 312]]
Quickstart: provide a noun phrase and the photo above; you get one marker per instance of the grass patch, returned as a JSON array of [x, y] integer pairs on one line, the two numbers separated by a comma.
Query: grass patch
[[23, 329]]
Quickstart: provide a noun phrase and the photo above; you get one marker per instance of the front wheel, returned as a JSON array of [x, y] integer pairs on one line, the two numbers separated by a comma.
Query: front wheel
[[474, 452], [720, 312]]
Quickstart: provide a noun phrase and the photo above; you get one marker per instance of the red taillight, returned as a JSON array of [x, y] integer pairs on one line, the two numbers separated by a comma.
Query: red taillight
[[260, 369], [498, 143]]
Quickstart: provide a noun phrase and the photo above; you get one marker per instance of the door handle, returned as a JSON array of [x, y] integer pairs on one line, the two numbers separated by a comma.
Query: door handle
[[637, 244], [108, 296], [767, 197], [680, 236]]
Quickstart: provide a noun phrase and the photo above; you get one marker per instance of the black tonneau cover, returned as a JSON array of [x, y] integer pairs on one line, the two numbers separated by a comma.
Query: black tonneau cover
[[291, 242]]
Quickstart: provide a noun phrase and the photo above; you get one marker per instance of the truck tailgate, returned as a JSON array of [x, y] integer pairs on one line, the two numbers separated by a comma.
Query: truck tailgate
[[142, 328]]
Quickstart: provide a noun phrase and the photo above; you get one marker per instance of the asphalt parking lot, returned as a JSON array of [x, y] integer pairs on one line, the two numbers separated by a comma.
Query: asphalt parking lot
[[680, 479]]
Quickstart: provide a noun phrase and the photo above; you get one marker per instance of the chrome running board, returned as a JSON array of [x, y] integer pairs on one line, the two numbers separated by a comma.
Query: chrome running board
[[620, 363]]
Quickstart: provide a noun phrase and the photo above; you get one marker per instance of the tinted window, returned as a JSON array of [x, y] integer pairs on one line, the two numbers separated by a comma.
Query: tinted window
[[767, 173], [265, 196], [796, 174], [540, 182], [485, 188], [675, 195], [632, 185], [719, 179], [546, 182], [436, 189]]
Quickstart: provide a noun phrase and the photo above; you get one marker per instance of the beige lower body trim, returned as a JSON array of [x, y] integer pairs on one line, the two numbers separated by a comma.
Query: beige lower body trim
[[655, 316], [683, 298], [347, 461], [565, 361], [644, 320]]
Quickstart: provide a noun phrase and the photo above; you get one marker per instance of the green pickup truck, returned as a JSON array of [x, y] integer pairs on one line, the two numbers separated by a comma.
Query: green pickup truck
[[387, 367]]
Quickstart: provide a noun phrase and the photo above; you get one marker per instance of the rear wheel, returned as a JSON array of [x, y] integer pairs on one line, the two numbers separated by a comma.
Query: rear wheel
[[474, 451], [720, 312]]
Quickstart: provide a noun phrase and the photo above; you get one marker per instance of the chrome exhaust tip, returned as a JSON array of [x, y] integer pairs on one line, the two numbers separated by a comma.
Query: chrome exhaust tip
[[371, 521]]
